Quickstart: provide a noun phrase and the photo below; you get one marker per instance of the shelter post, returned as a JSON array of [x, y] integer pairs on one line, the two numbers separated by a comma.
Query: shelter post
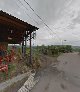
[[25, 45], [22, 48], [30, 50]]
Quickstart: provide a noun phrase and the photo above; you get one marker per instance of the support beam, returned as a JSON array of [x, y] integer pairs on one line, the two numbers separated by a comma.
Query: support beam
[[25, 45], [23, 49], [30, 51]]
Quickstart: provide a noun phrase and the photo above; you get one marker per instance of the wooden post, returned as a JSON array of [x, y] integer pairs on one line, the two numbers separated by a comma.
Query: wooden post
[[30, 51], [22, 49], [25, 45]]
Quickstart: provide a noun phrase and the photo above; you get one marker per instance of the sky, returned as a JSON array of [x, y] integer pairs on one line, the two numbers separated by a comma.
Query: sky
[[61, 16]]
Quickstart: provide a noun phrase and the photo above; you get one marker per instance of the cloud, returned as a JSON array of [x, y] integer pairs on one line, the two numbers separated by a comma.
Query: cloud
[[62, 16], [18, 13], [67, 24]]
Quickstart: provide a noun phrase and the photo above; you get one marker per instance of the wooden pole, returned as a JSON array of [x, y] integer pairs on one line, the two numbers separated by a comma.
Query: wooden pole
[[25, 45], [30, 51], [23, 49]]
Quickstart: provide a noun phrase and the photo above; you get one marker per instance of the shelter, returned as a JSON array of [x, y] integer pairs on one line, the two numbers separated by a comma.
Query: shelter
[[14, 30]]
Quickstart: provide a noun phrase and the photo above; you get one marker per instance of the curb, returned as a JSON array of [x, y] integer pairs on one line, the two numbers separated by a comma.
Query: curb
[[29, 84]]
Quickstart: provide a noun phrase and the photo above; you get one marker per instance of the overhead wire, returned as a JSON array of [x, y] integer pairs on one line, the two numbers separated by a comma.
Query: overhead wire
[[42, 20], [39, 18], [26, 12]]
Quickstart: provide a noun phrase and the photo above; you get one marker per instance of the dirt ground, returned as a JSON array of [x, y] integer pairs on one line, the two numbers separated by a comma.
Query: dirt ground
[[62, 76]]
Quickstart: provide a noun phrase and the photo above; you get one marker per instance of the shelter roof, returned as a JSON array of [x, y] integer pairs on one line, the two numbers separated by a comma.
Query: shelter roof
[[12, 29]]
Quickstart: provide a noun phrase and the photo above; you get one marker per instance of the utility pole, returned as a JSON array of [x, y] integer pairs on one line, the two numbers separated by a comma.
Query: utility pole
[[63, 41]]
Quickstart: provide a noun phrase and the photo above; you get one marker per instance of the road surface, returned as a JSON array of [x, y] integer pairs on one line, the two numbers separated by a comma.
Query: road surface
[[63, 76]]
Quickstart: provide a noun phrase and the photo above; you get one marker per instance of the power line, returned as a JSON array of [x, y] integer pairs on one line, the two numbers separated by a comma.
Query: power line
[[41, 19], [38, 15], [35, 21], [26, 12], [22, 4]]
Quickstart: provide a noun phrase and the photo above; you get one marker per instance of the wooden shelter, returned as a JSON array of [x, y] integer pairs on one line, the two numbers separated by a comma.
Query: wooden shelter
[[14, 30]]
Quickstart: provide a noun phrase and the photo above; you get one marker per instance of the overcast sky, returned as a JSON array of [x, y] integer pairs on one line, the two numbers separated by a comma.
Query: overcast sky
[[62, 17]]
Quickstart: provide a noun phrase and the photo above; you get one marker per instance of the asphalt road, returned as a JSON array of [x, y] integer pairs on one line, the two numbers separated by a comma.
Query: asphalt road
[[63, 76]]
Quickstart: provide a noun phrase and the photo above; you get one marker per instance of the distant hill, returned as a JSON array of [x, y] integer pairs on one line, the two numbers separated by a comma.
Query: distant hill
[[76, 48]]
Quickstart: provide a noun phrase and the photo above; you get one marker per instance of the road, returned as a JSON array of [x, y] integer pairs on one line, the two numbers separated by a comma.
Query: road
[[63, 76]]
